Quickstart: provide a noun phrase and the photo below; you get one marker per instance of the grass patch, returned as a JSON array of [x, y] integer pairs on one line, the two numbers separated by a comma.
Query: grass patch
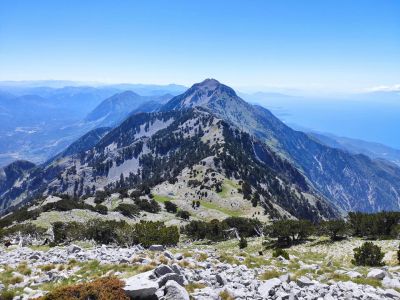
[[229, 212], [228, 258], [369, 281], [48, 267], [270, 274], [224, 295], [191, 287], [227, 187], [161, 199], [7, 295], [24, 269]]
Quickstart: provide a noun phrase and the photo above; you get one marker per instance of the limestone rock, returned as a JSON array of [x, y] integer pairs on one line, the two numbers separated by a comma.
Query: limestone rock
[[140, 286]]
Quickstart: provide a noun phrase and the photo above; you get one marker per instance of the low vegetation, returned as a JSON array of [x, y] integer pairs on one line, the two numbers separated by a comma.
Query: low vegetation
[[368, 254], [108, 288], [114, 232]]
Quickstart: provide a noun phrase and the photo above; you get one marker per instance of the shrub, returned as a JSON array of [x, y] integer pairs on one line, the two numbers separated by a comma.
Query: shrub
[[398, 254], [128, 210], [100, 197], [288, 232], [118, 232], [150, 233], [108, 288], [104, 232], [368, 255], [150, 206], [246, 227], [242, 243], [280, 252], [183, 214], [101, 209], [335, 229], [7, 295], [170, 207], [24, 229], [375, 225], [67, 232]]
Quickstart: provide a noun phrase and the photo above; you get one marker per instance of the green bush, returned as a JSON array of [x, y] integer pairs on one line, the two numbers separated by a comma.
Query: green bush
[[7, 295], [368, 255], [100, 197], [242, 243], [150, 233], [398, 255], [216, 230], [170, 207], [280, 252], [116, 232], [128, 210], [335, 229], [289, 232], [246, 227], [377, 225], [183, 214], [101, 209], [150, 206], [67, 232]]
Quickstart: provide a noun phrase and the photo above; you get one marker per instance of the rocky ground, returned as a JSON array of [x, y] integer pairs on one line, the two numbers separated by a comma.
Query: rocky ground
[[315, 270]]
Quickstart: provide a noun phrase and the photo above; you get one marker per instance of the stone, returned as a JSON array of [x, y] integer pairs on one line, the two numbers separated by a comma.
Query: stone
[[304, 281], [174, 291], [267, 286], [376, 273], [391, 293], [162, 270], [168, 254], [170, 276], [156, 248], [221, 279], [176, 268], [73, 249], [178, 256], [140, 286], [354, 274], [285, 278], [391, 283]]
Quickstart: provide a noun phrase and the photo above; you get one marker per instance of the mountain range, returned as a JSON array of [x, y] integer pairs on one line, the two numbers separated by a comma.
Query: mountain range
[[38, 122], [199, 141]]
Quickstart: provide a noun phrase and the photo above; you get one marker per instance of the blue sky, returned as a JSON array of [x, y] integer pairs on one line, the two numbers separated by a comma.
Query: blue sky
[[312, 45]]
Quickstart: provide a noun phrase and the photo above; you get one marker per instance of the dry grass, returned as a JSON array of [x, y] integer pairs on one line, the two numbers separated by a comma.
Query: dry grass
[[106, 288], [191, 287], [224, 295]]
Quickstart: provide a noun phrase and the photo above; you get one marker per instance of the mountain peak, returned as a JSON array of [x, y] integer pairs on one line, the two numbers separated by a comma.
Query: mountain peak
[[209, 83], [204, 94]]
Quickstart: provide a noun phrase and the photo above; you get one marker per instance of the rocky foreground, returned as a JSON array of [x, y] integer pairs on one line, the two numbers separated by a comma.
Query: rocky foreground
[[197, 274]]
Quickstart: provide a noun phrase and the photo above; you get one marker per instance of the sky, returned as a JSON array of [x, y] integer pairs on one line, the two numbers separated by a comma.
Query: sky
[[326, 45]]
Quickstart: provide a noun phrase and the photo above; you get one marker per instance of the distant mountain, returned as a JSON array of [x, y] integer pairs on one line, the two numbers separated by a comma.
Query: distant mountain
[[115, 109], [206, 139], [38, 121], [84, 143], [351, 182], [370, 149]]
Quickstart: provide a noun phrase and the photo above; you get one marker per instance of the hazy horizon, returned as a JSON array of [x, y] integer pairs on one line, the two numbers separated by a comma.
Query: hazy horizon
[[321, 47]]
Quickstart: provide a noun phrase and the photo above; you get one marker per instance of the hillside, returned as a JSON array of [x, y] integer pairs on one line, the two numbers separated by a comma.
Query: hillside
[[187, 150], [351, 182]]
